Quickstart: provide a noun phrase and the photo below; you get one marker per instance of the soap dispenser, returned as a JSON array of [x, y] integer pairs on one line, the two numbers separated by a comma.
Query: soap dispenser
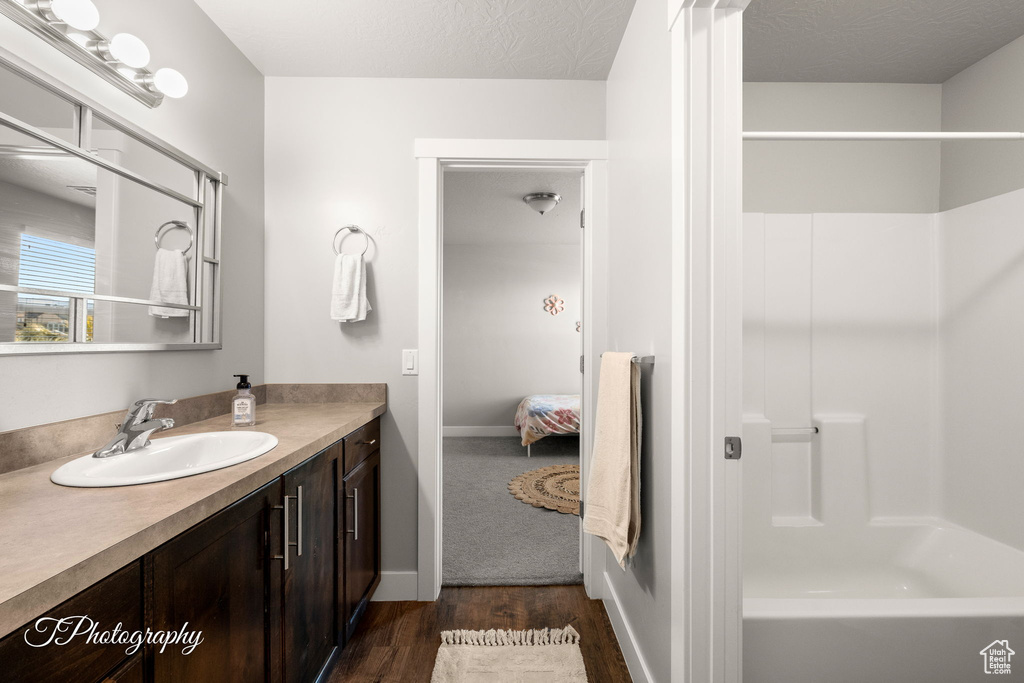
[[243, 406]]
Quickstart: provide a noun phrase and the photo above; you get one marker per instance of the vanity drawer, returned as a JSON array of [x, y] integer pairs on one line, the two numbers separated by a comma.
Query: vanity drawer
[[117, 598], [360, 444]]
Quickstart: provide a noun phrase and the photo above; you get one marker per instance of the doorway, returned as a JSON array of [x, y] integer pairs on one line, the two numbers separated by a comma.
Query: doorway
[[438, 160], [511, 381]]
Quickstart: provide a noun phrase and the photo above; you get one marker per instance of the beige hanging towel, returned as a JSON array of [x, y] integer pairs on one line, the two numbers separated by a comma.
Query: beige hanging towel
[[612, 503]]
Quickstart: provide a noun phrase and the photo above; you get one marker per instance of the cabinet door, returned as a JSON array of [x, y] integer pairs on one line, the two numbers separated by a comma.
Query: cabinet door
[[310, 581], [213, 578], [115, 599], [361, 524]]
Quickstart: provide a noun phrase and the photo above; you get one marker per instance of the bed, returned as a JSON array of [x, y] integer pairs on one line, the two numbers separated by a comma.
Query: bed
[[540, 415]]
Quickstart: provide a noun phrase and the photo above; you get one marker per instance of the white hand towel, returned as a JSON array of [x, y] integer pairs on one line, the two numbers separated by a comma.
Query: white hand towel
[[170, 283], [348, 295], [612, 504]]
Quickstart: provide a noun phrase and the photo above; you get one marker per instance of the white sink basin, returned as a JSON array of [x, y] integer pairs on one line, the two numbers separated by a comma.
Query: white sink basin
[[172, 457]]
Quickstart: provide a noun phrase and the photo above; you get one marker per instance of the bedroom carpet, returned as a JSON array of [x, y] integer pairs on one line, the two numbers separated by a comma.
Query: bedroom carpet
[[492, 539]]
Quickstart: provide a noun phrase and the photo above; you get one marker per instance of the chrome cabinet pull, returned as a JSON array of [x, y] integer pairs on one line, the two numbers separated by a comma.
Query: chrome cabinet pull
[[289, 543], [370, 442], [298, 503], [355, 508]]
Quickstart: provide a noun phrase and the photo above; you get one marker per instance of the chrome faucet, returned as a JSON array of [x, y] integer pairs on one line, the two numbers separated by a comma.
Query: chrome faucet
[[133, 433]]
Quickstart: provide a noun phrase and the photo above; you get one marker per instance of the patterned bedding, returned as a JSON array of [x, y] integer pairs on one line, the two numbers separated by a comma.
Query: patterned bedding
[[540, 415]]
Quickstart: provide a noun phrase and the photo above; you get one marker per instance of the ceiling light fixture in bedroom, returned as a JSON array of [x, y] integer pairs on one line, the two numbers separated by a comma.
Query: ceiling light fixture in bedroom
[[542, 202]]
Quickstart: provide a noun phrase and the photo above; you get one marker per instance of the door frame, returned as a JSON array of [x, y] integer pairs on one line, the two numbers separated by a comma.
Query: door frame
[[707, 338], [433, 155]]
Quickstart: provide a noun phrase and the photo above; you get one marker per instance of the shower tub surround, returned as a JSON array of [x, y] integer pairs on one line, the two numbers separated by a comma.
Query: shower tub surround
[[59, 541], [882, 506], [856, 599]]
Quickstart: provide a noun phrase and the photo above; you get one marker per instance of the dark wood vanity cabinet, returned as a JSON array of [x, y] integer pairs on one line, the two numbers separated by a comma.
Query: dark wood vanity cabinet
[[360, 558], [273, 581], [264, 619], [115, 599], [309, 585], [214, 577]]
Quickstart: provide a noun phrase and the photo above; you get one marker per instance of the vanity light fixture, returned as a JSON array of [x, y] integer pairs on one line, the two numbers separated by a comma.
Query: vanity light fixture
[[70, 26], [542, 202], [78, 14], [170, 82], [125, 48]]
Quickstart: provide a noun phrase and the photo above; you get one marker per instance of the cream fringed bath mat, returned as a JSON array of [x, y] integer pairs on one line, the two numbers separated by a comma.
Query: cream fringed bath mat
[[531, 656], [556, 488]]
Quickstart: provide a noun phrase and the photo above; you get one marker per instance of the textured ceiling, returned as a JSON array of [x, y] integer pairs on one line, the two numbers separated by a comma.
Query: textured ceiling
[[487, 207], [53, 177], [554, 39], [874, 41]]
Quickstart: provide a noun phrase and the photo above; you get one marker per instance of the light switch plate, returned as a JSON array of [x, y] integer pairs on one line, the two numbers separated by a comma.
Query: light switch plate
[[410, 361]]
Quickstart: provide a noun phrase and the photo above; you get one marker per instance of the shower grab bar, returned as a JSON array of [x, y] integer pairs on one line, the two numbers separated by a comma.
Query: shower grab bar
[[794, 431]]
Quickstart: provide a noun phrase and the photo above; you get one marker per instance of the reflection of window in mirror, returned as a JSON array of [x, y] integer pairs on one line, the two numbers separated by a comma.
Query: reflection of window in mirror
[[50, 264]]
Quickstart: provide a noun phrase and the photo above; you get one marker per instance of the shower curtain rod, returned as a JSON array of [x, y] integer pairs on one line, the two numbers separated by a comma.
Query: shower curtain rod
[[876, 136]]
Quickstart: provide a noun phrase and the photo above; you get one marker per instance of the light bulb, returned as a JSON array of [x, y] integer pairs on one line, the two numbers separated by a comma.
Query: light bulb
[[79, 14], [170, 82], [129, 50]]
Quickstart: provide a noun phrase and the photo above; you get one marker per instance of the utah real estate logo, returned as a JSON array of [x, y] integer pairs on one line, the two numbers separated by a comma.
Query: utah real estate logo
[[997, 657]]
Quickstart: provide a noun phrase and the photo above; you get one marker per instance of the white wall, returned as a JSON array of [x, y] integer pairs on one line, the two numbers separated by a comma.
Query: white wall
[[982, 324], [501, 261], [219, 122], [640, 307], [987, 96], [841, 177], [340, 150], [499, 343]]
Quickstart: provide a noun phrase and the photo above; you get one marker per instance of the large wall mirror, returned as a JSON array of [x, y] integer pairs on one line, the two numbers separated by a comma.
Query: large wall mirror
[[109, 238]]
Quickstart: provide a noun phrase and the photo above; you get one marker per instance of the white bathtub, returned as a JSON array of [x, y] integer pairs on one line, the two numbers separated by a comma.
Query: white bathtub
[[902, 602]]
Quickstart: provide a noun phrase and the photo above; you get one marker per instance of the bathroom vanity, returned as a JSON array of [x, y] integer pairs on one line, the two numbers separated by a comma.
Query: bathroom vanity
[[273, 560]]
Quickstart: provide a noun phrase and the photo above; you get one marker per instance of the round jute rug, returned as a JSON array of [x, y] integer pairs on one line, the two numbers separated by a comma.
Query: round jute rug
[[555, 488]]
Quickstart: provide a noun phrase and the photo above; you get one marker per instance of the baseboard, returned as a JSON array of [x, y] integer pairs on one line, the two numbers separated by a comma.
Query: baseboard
[[395, 586], [480, 431], [624, 633]]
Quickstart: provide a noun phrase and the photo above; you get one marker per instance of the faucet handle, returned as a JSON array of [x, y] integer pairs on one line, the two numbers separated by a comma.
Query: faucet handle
[[143, 408], [155, 401]]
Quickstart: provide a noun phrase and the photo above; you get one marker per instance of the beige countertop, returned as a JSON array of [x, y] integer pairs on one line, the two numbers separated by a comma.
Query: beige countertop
[[56, 541]]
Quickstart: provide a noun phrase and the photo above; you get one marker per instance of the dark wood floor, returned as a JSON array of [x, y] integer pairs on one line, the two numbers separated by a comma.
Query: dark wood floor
[[397, 641]]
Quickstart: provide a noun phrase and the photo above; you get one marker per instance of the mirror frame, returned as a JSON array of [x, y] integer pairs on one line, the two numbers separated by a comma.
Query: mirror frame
[[206, 329]]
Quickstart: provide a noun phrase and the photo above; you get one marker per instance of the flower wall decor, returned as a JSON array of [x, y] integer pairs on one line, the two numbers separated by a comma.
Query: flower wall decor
[[554, 305]]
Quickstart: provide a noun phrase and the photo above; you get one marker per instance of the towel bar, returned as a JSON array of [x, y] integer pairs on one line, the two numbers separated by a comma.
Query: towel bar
[[641, 360]]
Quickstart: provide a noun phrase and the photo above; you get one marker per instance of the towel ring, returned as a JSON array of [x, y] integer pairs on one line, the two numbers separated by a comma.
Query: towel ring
[[160, 232], [353, 229]]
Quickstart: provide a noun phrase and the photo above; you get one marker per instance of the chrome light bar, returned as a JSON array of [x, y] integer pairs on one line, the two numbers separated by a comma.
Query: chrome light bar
[[88, 47]]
